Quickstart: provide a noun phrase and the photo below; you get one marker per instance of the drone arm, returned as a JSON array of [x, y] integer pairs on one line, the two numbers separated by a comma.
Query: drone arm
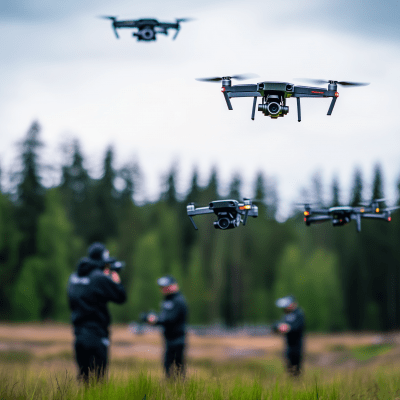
[[298, 109], [253, 112], [318, 218], [332, 105], [385, 215]]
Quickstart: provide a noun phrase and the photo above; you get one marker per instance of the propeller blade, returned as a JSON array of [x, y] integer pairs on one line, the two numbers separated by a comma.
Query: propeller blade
[[178, 20], [391, 208], [108, 17], [239, 77], [324, 81], [369, 203], [344, 83]]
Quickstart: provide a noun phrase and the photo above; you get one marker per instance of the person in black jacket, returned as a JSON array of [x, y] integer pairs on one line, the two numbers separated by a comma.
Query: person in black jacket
[[292, 326], [172, 318], [90, 288]]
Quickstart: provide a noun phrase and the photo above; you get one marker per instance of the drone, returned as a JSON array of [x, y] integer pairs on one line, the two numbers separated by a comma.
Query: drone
[[147, 28], [229, 212], [342, 215], [274, 94]]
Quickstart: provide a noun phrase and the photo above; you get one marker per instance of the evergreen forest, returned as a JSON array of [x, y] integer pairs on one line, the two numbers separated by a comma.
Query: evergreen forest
[[344, 280]]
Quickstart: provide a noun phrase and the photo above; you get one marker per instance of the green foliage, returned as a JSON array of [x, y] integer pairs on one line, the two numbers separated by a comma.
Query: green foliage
[[10, 238], [312, 280], [40, 289], [342, 279], [147, 263]]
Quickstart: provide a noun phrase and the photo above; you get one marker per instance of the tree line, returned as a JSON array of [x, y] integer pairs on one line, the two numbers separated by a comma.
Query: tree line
[[343, 279]]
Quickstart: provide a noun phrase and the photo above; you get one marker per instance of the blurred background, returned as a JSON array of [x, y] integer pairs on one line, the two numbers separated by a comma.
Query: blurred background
[[108, 140]]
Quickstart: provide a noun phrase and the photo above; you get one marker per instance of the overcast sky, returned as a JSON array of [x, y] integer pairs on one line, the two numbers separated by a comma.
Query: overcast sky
[[62, 65]]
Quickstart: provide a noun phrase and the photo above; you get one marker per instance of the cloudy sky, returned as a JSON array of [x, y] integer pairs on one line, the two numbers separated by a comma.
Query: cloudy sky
[[62, 65]]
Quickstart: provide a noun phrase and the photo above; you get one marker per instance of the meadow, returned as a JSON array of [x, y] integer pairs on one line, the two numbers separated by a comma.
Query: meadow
[[36, 362]]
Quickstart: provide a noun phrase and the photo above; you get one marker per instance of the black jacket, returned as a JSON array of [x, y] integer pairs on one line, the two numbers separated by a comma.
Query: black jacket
[[173, 317], [294, 338], [295, 319], [89, 290]]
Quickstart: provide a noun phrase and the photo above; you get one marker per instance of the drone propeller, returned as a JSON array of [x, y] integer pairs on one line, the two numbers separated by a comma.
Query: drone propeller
[[369, 203], [239, 77], [179, 20], [391, 208], [342, 83], [113, 19]]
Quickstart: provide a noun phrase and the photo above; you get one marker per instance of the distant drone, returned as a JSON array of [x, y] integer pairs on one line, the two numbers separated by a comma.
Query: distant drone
[[342, 215], [274, 94], [229, 212], [147, 28]]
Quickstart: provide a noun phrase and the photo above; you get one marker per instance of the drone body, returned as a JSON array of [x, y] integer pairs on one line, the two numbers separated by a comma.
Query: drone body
[[274, 94], [342, 215], [147, 28], [229, 212]]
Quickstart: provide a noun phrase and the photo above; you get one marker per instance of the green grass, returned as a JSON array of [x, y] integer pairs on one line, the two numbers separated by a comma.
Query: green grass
[[364, 353], [206, 380]]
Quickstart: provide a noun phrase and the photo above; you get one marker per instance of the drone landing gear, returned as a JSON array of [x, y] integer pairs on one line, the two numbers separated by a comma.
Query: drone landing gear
[[298, 109], [253, 112], [332, 105]]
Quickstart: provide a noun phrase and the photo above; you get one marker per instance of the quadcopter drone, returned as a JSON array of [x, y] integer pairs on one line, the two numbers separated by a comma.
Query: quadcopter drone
[[229, 212], [147, 28], [274, 94], [342, 215]]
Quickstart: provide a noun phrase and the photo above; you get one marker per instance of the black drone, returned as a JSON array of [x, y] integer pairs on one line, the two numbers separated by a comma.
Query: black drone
[[274, 94], [229, 212], [342, 215], [147, 27]]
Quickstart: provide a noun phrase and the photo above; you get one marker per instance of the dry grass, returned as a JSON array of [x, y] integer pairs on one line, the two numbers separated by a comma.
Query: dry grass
[[38, 359]]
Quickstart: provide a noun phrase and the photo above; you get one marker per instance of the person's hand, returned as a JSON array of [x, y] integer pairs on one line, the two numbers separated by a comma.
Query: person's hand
[[283, 328], [113, 275], [152, 319]]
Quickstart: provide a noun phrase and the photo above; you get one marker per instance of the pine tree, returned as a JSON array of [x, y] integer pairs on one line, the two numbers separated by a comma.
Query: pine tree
[[169, 194], [30, 191], [235, 187], [10, 239], [357, 193], [75, 187], [335, 192]]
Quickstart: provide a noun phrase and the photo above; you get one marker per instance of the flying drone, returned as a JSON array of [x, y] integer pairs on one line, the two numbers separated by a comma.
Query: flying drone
[[274, 94], [147, 28], [342, 215], [229, 212]]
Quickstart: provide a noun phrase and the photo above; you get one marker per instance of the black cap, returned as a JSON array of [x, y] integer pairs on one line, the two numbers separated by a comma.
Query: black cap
[[166, 280], [285, 302], [98, 252]]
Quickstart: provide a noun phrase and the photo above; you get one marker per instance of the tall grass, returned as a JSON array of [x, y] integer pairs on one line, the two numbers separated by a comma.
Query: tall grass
[[208, 380]]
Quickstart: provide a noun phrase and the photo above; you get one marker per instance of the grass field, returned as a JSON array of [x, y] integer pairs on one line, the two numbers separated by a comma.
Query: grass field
[[36, 362]]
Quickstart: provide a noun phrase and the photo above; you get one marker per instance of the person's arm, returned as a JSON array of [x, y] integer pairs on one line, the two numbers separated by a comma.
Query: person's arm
[[167, 315], [109, 287]]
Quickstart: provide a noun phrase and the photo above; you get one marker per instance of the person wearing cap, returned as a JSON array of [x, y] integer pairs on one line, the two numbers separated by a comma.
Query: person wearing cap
[[172, 318], [292, 326], [90, 288]]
